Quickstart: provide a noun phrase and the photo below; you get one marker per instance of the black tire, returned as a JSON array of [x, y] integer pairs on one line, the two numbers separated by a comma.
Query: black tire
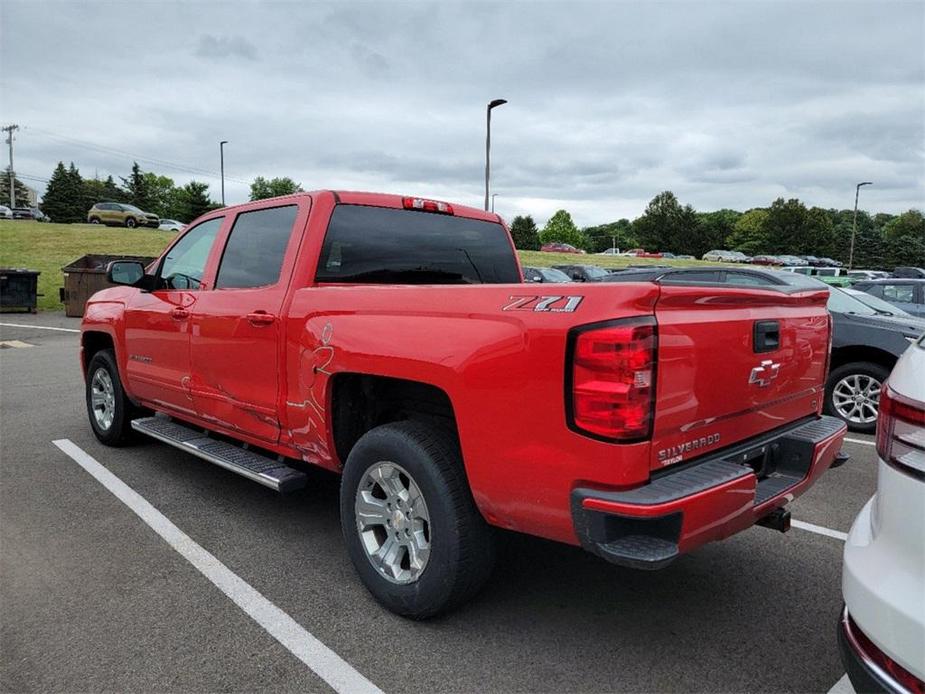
[[119, 432], [94, 220], [862, 369], [462, 544], [130, 222]]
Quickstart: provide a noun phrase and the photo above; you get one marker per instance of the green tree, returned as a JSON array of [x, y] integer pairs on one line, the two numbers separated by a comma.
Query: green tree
[[192, 201], [64, 196], [748, 234], [525, 234], [20, 191], [818, 237], [904, 240], [162, 194], [560, 228], [136, 186], [666, 225], [617, 234], [714, 229], [785, 226], [263, 188]]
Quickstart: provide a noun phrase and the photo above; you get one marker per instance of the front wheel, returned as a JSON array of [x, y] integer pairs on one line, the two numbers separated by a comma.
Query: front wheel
[[852, 394], [410, 524], [108, 407], [131, 223]]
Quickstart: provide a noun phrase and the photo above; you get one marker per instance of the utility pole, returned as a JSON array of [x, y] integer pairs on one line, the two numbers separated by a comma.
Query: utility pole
[[493, 196], [854, 225], [221, 150], [9, 129]]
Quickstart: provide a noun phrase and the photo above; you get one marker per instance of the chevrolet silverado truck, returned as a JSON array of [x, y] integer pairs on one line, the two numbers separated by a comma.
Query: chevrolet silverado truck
[[392, 340]]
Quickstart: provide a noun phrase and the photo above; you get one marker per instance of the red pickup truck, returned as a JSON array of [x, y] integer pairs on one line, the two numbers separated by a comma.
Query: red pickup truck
[[393, 340]]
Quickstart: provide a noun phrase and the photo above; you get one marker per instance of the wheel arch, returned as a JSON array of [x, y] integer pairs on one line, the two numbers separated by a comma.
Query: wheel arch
[[861, 353]]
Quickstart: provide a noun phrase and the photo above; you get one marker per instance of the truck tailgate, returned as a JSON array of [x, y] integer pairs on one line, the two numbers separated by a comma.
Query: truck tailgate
[[734, 362]]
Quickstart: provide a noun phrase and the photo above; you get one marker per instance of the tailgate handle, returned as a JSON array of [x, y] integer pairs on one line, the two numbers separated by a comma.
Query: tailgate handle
[[766, 335]]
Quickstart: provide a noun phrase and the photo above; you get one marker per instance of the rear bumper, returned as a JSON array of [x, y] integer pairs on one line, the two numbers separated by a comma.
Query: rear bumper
[[681, 509], [861, 664]]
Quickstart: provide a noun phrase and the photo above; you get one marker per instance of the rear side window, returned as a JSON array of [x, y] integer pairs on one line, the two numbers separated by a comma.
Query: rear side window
[[898, 292], [710, 276], [378, 245], [256, 246]]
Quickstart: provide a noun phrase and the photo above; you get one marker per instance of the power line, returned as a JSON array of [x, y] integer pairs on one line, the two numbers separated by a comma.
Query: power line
[[185, 168]]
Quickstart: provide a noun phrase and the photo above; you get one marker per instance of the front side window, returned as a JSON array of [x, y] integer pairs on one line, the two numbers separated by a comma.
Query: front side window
[[379, 245], [256, 247], [185, 262]]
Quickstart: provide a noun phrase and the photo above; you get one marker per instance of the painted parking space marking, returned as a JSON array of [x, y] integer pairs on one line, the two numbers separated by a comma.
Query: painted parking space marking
[[14, 344], [843, 686], [39, 327], [320, 659], [819, 530]]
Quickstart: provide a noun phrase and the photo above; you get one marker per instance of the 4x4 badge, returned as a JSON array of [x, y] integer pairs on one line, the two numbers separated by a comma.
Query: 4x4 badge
[[764, 374]]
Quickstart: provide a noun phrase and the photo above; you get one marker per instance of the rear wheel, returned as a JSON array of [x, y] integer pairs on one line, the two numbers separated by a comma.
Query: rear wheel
[[410, 524], [852, 394], [109, 409]]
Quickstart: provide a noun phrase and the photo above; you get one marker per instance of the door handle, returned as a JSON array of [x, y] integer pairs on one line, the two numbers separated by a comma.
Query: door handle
[[179, 314], [259, 318]]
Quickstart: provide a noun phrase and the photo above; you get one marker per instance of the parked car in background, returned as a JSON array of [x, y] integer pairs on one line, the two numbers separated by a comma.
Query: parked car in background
[[799, 269], [5, 212], [610, 251], [545, 274], [23, 213], [120, 214], [556, 247], [583, 273], [792, 260], [910, 272], [811, 260], [171, 225], [829, 262], [881, 633], [641, 253], [879, 305], [907, 294], [867, 274], [726, 257], [865, 343], [684, 257], [772, 260]]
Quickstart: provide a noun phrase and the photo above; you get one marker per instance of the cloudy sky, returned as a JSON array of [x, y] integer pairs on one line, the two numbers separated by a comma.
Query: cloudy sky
[[728, 104]]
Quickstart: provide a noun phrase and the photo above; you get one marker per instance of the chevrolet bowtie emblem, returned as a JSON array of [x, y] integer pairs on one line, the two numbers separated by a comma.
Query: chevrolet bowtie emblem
[[764, 374]]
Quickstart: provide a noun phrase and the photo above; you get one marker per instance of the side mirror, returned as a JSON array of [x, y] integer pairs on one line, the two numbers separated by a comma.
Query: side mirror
[[127, 272]]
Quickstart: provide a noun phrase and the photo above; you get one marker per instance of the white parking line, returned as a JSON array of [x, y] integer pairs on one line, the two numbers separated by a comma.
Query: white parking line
[[319, 658], [39, 327], [862, 441], [843, 686], [819, 530]]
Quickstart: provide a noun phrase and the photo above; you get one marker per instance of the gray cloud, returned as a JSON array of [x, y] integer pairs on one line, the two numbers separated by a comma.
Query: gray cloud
[[726, 104], [225, 47]]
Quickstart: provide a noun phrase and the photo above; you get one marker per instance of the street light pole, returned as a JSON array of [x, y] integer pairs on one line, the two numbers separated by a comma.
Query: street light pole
[[493, 196], [854, 225], [491, 104], [221, 150]]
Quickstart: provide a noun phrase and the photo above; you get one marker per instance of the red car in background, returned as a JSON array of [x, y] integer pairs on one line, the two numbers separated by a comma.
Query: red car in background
[[766, 260], [560, 248], [642, 253]]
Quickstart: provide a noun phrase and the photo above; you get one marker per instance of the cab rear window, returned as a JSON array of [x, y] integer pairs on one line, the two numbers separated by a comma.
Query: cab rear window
[[378, 245]]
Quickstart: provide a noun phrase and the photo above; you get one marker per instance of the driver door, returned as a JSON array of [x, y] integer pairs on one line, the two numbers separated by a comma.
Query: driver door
[[157, 323]]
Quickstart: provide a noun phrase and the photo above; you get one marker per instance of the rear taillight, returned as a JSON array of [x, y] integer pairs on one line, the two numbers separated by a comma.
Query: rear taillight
[[427, 205], [611, 386], [901, 433]]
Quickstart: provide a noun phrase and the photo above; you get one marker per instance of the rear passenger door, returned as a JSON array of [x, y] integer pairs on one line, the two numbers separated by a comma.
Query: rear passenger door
[[237, 331]]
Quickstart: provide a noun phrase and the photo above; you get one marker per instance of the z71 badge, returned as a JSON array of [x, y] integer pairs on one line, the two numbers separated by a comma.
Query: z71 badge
[[540, 304]]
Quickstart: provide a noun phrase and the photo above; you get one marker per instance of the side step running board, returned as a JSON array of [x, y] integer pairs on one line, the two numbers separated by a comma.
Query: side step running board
[[266, 471]]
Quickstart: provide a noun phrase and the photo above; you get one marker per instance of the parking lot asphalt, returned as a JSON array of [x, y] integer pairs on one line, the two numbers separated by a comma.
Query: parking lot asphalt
[[91, 599]]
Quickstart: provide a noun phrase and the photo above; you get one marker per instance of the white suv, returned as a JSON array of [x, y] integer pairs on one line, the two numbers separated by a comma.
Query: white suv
[[882, 629]]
